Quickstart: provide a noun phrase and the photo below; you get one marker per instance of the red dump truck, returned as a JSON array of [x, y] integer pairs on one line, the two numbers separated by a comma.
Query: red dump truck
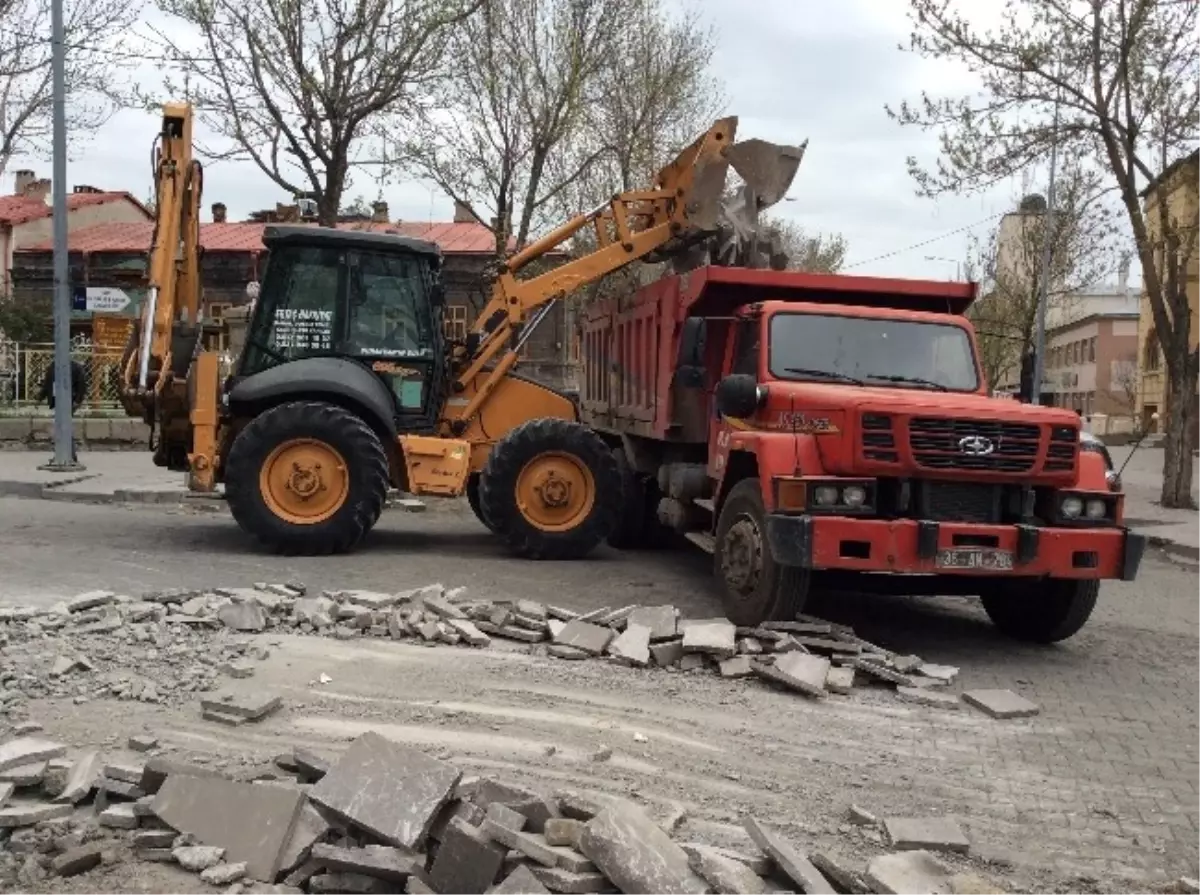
[[824, 431]]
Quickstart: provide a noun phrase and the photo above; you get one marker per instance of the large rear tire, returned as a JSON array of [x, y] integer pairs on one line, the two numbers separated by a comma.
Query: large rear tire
[[551, 489], [1043, 612], [756, 588], [307, 478], [473, 500], [631, 526]]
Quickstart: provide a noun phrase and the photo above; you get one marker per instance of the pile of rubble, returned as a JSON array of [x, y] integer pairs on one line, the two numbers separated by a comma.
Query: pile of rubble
[[166, 647], [384, 817]]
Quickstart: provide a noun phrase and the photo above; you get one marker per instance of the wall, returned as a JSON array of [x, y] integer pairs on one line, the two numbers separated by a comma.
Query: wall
[[1089, 364]]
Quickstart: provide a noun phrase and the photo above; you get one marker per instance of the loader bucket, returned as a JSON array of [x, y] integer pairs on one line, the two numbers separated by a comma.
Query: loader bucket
[[708, 188], [767, 168]]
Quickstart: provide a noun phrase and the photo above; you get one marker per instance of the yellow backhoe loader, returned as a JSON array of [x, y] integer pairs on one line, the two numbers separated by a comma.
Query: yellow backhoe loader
[[347, 386]]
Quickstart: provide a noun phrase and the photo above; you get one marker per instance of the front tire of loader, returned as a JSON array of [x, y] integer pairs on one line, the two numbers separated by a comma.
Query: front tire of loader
[[307, 478], [1044, 612], [756, 588], [552, 490]]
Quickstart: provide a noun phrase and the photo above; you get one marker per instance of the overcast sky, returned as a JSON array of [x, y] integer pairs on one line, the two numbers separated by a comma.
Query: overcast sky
[[793, 69]]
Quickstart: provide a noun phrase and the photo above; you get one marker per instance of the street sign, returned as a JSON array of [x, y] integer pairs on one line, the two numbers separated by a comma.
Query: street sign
[[107, 299]]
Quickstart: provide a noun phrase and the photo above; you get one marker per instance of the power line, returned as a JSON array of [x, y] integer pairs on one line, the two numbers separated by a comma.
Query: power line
[[926, 242]]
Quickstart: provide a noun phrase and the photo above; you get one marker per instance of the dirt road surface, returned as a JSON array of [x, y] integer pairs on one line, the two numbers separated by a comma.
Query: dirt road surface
[[1097, 793]]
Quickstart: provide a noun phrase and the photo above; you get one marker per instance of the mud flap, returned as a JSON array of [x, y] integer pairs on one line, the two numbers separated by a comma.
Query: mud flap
[[790, 539], [1131, 561]]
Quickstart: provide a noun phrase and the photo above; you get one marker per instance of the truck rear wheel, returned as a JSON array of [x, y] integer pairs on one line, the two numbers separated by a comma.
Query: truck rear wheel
[[473, 500], [1041, 612], [757, 589], [631, 525], [307, 478], [552, 490]]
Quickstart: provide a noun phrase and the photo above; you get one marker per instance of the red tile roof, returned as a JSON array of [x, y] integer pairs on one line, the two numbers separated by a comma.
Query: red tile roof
[[453, 239], [16, 210]]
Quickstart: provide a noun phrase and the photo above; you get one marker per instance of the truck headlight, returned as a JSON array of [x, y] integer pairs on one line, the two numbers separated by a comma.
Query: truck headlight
[[1096, 509], [854, 496], [825, 495], [1071, 507]]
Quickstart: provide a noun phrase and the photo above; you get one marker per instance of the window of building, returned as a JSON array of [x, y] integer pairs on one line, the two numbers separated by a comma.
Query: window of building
[[1151, 354], [1091, 356], [1089, 400], [455, 322]]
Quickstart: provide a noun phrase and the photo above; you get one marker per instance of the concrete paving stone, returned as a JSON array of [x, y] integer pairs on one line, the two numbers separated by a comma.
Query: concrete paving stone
[[82, 778], [22, 813], [595, 614], [838, 871], [586, 636], [636, 854], [223, 874], [469, 632], [840, 679], [467, 861], [571, 653], [1002, 704], [691, 661], [120, 817], [724, 874], [348, 884], [198, 857], [528, 635], [66, 664], [563, 831], [468, 812], [661, 620], [568, 857], [881, 671], [154, 838], [122, 789], [632, 646], [923, 696], [738, 666], [252, 823], [155, 855], [309, 763], [130, 773], [797, 671], [788, 858], [760, 863], [142, 743], [912, 871], [158, 769], [311, 827], [372, 599], [528, 844], [824, 644], [861, 817], [749, 646], [618, 618], [558, 880], [416, 886], [28, 750], [532, 622], [907, 664], [238, 670], [520, 882], [946, 673], [562, 615], [302, 874], [505, 816], [26, 774], [6, 791], [667, 652], [926, 833], [243, 616], [443, 607], [554, 626], [382, 861], [250, 706], [90, 600], [80, 859], [713, 637], [388, 789]]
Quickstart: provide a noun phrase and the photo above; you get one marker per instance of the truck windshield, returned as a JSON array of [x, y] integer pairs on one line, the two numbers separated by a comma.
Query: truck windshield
[[899, 353]]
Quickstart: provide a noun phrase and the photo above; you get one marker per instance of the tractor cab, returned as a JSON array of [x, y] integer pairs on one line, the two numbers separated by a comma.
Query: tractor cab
[[371, 299]]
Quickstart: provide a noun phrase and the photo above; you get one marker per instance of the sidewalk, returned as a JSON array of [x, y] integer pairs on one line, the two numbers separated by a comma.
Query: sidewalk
[[108, 477], [1176, 531]]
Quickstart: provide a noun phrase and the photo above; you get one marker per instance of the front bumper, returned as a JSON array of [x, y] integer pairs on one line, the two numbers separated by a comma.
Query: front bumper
[[909, 546]]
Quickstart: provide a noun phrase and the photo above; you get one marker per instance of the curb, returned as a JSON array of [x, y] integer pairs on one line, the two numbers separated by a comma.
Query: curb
[[52, 491], [1174, 548]]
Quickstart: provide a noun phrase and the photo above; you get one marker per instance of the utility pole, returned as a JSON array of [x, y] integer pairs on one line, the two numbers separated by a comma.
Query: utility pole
[[64, 448], [1039, 336]]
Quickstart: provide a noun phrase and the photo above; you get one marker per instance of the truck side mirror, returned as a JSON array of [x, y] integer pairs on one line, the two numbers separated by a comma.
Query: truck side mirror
[[738, 395]]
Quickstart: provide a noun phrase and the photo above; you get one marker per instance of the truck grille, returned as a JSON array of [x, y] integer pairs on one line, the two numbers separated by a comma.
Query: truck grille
[[878, 442], [959, 502], [1064, 445], [935, 443]]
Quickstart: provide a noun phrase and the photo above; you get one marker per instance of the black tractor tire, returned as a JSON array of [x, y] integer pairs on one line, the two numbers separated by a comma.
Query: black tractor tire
[[756, 588], [473, 500], [1045, 611], [498, 497], [365, 478], [631, 527]]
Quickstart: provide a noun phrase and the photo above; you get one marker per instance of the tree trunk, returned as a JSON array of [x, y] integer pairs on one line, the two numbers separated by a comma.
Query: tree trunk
[[1179, 438]]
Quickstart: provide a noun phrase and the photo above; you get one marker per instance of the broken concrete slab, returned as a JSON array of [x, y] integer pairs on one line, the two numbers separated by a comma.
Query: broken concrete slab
[[749, 646], [725, 875], [906, 664], [839, 872], [348, 884], [78, 860], [120, 816], [311, 827], [469, 632], [881, 671], [388, 789], [944, 673], [154, 838], [90, 600], [564, 831], [252, 823], [585, 636], [130, 773], [197, 858], [755, 860], [158, 769], [467, 861], [840, 679], [636, 854], [26, 774], [661, 620], [249, 707], [28, 750], [20, 813], [714, 637], [528, 844], [667, 653], [66, 664], [142, 743], [922, 696], [122, 789], [1003, 704], [223, 874], [382, 861], [796, 671], [442, 607], [558, 880], [738, 666], [499, 813], [6, 791], [311, 765], [520, 882], [632, 647], [912, 871], [83, 777], [926, 833], [243, 616], [789, 859]]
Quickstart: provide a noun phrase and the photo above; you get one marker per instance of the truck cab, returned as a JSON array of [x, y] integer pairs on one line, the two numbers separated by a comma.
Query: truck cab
[[837, 432]]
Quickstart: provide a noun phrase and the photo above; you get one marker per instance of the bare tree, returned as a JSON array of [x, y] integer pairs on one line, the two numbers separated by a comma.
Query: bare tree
[[1126, 74], [814, 252], [1123, 383], [98, 55], [298, 86], [1083, 251]]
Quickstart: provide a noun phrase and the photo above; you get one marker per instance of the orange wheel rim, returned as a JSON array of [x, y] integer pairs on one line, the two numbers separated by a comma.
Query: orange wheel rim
[[304, 481], [555, 491]]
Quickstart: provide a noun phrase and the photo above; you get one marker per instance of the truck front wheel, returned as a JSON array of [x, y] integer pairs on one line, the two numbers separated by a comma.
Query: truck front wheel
[[551, 489], [757, 588], [306, 478], [1043, 612]]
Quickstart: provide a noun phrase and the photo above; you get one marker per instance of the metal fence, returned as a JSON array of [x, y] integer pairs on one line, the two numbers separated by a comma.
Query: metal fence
[[23, 367]]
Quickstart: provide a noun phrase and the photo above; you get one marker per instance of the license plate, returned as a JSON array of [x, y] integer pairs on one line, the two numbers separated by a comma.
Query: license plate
[[975, 558]]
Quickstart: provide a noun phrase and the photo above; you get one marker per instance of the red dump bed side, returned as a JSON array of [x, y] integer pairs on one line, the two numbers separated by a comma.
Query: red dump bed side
[[630, 344]]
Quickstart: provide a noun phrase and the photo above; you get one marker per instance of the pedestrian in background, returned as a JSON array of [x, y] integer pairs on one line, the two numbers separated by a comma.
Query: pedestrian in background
[[78, 391]]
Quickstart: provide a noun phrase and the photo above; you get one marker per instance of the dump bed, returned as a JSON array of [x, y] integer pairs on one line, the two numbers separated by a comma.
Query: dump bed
[[630, 344]]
